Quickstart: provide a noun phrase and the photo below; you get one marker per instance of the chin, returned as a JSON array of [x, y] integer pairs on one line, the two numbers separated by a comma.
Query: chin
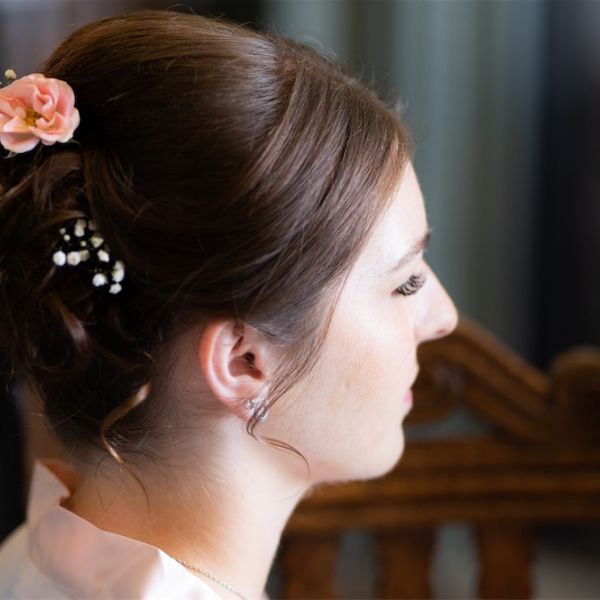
[[376, 464], [389, 462]]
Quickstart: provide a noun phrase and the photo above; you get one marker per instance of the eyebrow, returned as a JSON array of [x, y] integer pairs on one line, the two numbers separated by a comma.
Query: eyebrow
[[419, 246]]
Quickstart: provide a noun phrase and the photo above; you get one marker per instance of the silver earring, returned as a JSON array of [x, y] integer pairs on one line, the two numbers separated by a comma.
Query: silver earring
[[251, 406]]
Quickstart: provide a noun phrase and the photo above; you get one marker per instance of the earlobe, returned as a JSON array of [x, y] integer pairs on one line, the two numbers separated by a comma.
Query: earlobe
[[231, 357]]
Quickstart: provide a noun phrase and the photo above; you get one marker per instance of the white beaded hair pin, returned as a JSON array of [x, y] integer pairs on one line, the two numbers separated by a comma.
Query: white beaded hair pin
[[82, 243]]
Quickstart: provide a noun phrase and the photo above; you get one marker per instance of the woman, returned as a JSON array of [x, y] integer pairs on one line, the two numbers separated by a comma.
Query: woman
[[232, 239]]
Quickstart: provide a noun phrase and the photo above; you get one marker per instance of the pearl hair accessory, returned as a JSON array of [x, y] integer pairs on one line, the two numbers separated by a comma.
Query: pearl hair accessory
[[82, 243]]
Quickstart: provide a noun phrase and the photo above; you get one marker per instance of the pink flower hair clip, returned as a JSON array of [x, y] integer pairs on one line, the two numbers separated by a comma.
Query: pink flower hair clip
[[35, 108]]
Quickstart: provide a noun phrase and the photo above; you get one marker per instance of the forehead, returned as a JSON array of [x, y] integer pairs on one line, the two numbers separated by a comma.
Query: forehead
[[403, 223], [406, 212]]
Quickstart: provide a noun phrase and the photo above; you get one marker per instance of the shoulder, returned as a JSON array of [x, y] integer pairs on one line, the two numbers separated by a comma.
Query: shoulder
[[57, 554], [22, 578], [19, 577]]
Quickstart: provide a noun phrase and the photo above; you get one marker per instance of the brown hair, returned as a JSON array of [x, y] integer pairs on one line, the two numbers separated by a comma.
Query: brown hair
[[236, 174]]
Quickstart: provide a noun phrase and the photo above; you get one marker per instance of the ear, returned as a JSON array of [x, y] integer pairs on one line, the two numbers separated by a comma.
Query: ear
[[234, 359]]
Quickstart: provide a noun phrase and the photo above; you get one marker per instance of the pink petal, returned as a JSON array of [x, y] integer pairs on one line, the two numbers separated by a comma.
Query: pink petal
[[44, 105], [21, 90], [16, 125], [66, 99], [18, 143], [6, 107]]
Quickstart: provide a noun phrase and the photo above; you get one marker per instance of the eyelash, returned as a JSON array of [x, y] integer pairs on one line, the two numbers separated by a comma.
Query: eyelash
[[412, 286]]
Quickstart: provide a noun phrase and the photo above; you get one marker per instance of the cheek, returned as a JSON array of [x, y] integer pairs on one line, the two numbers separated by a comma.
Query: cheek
[[374, 352], [353, 399]]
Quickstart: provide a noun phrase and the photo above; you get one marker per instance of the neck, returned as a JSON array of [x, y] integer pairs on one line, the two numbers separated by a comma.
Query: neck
[[226, 521]]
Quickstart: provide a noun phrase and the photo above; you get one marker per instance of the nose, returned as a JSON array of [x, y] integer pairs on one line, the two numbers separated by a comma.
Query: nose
[[439, 317]]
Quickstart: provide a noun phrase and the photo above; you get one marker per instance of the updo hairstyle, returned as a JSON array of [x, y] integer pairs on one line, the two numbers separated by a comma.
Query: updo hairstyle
[[236, 174]]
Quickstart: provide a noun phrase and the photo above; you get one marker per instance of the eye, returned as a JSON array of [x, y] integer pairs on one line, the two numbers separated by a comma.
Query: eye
[[412, 285]]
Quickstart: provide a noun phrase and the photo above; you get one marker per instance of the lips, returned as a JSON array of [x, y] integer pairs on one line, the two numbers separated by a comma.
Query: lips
[[408, 398]]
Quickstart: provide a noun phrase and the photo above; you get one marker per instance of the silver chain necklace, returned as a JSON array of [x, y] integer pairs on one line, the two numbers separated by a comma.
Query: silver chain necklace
[[186, 564]]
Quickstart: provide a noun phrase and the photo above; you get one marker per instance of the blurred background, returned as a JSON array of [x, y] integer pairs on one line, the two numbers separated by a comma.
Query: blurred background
[[503, 98]]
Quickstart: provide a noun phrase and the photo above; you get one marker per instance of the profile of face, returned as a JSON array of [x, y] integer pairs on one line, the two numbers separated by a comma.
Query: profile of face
[[347, 417]]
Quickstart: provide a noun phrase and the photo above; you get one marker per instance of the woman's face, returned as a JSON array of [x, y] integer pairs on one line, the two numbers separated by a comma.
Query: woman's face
[[347, 418]]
